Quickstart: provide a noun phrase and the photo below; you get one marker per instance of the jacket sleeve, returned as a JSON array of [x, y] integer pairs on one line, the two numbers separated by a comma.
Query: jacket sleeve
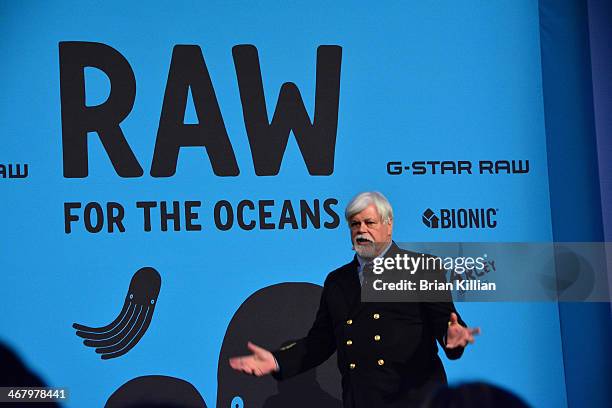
[[311, 350], [437, 315]]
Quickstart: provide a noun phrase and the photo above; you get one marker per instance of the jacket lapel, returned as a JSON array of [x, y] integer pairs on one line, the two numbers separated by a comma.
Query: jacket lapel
[[349, 284]]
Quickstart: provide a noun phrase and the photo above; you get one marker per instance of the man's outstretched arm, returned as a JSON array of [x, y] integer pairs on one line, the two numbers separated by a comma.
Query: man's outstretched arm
[[449, 329], [260, 363], [313, 349], [296, 357]]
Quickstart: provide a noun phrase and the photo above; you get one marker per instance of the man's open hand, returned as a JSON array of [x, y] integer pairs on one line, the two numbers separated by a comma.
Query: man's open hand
[[260, 363], [457, 335]]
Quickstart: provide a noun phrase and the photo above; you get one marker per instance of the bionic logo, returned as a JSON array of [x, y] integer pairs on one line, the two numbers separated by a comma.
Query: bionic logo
[[430, 219], [460, 218]]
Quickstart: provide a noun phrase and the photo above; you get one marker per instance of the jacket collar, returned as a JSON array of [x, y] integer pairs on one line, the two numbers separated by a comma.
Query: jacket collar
[[349, 278]]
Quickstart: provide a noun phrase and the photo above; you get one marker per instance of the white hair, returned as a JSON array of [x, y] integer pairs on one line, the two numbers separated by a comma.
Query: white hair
[[362, 200]]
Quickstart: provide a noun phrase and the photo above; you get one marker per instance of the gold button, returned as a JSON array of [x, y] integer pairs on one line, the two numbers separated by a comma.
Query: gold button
[[377, 338], [381, 362], [352, 366], [349, 342], [376, 316], [349, 321]]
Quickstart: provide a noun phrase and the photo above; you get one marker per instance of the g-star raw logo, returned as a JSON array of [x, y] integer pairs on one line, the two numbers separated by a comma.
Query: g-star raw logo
[[461, 218], [316, 138], [457, 167], [13, 170]]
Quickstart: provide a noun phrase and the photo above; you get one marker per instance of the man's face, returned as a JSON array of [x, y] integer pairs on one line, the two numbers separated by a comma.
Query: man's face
[[369, 234]]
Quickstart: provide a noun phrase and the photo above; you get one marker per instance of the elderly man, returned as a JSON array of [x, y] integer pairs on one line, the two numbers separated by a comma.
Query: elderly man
[[387, 352]]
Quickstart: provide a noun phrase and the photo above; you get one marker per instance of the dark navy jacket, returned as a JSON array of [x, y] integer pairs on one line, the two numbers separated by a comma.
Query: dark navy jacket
[[387, 352]]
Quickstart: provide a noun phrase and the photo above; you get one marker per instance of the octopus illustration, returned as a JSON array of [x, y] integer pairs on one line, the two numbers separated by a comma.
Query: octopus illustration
[[122, 334]]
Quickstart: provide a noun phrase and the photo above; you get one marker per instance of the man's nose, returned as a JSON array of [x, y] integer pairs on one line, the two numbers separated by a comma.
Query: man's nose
[[362, 227]]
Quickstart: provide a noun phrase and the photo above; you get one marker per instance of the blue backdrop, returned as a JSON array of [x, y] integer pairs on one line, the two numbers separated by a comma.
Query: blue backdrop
[[451, 81]]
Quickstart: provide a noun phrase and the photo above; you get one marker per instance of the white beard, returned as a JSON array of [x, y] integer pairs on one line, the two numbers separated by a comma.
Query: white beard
[[368, 250]]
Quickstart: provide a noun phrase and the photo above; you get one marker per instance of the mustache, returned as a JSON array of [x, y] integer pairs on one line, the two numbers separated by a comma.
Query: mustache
[[361, 238]]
